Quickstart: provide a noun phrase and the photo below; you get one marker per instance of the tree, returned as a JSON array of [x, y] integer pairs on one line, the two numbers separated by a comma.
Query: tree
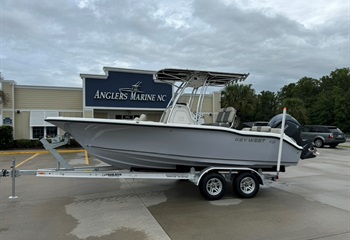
[[337, 78], [3, 97], [295, 107], [242, 98], [306, 89], [2, 93], [323, 99], [266, 103], [322, 110], [6, 137], [332, 103], [287, 91]]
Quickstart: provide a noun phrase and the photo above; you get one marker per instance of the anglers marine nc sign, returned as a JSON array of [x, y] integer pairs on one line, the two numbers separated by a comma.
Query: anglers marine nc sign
[[131, 94], [126, 90]]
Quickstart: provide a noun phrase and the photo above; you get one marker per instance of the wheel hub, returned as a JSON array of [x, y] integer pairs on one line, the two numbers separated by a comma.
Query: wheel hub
[[214, 186], [247, 185]]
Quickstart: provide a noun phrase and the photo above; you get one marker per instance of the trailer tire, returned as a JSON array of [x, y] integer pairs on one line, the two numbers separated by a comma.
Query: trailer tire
[[213, 186], [246, 185]]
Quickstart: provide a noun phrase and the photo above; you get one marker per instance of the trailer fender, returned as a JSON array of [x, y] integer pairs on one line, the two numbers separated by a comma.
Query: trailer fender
[[234, 171]]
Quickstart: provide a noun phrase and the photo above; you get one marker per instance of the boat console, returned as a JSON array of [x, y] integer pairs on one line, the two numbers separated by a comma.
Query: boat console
[[180, 113]]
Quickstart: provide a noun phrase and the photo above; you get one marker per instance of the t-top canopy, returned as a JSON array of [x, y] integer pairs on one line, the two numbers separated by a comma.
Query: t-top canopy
[[196, 78]]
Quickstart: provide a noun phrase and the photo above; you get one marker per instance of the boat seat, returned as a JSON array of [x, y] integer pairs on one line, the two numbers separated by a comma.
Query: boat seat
[[225, 117], [276, 130], [263, 129], [142, 117], [229, 115], [220, 116]]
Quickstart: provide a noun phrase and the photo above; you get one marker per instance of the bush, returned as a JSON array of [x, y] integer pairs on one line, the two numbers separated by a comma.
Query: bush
[[27, 144], [36, 144], [6, 137], [7, 142], [23, 143]]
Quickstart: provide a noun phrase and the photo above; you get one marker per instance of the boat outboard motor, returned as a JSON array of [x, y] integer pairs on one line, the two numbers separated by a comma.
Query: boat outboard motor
[[293, 130]]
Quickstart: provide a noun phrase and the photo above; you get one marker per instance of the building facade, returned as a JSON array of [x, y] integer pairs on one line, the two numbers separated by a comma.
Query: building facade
[[118, 94]]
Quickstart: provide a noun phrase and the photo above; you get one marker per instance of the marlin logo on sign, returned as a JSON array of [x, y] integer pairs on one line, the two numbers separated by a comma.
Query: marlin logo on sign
[[134, 88], [135, 94]]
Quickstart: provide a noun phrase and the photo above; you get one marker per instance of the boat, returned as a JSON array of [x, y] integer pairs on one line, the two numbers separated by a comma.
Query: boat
[[181, 140]]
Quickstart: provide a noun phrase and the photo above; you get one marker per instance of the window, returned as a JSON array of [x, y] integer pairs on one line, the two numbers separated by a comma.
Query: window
[[40, 128], [314, 129], [51, 132], [38, 132], [306, 129]]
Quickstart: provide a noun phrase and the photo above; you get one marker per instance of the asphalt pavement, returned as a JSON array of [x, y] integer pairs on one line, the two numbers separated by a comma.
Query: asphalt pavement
[[309, 201]]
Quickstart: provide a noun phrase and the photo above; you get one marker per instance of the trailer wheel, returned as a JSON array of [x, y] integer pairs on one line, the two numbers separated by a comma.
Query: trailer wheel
[[212, 186], [246, 185]]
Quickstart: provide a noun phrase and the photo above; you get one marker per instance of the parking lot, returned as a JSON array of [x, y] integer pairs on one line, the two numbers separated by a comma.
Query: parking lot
[[309, 201]]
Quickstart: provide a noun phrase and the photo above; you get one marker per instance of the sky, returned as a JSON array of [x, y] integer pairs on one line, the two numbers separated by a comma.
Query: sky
[[52, 42]]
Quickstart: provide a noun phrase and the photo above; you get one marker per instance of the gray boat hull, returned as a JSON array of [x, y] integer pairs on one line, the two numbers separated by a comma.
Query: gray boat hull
[[129, 144]]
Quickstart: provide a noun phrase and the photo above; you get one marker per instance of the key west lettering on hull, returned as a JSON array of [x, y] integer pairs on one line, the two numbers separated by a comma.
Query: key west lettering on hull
[[255, 140], [134, 96]]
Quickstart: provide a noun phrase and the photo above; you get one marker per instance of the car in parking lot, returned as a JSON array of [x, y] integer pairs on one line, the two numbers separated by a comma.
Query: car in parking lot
[[323, 135]]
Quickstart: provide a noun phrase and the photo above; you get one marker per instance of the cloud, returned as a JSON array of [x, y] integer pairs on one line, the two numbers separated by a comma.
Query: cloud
[[52, 42]]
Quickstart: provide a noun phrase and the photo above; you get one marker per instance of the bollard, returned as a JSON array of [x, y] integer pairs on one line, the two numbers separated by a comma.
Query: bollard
[[13, 175]]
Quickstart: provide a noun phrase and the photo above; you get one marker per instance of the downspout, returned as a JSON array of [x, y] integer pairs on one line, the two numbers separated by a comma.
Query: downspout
[[13, 110], [84, 102], [213, 108]]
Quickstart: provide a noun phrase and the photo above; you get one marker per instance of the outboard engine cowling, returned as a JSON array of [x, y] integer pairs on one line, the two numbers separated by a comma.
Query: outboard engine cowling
[[293, 130]]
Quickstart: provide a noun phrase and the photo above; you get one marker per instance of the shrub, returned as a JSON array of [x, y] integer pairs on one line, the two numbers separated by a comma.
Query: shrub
[[6, 137], [27, 143], [23, 143], [36, 144]]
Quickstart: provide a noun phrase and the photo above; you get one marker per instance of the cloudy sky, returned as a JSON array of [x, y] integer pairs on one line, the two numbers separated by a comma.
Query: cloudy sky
[[51, 42]]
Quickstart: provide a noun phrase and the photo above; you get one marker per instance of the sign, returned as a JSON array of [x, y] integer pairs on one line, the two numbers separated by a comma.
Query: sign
[[127, 90], [7, 121]]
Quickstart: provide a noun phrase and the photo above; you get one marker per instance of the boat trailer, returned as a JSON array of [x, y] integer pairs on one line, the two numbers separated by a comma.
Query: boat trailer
[[212, 181]]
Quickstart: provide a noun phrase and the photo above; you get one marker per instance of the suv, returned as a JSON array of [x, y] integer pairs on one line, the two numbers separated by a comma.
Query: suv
[[323, 135]]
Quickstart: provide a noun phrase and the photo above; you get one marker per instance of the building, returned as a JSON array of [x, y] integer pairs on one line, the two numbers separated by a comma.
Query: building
[[118, 94]]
